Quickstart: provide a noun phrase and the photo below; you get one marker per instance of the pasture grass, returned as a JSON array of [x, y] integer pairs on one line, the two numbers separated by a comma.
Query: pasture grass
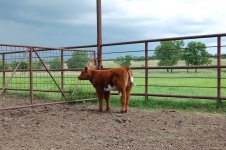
[[156, 103]]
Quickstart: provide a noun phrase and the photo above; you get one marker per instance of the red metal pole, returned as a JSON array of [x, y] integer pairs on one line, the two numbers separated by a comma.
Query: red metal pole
[[62, 71], [31, 75], [146, 70], [3, 70], [218, 72], [94, 57], [99, 34]]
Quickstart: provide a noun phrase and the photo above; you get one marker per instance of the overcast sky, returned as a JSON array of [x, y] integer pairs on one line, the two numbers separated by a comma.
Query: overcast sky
[[58, 23]]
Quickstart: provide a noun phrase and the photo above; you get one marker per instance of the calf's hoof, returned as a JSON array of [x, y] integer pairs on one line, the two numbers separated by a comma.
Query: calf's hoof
[[123, 111]]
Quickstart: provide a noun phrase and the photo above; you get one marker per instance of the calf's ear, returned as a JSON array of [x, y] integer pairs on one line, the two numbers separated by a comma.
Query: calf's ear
[[86, 69]]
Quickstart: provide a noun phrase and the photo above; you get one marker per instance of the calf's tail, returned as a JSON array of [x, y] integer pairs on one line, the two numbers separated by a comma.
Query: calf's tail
[[130, 74]]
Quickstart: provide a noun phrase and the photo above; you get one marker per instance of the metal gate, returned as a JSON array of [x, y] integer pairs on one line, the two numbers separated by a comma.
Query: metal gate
[[46, 75]]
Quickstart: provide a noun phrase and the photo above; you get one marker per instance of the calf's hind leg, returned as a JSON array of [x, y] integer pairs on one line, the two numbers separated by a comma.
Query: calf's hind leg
[[121, 86], [123, 101], [128, 91], [107, 99]]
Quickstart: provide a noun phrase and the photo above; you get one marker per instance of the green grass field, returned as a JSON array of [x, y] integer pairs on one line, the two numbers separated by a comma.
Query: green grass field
[[202, 83]]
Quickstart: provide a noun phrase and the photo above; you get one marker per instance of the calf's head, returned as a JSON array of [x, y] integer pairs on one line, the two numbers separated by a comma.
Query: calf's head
[[85, 74]]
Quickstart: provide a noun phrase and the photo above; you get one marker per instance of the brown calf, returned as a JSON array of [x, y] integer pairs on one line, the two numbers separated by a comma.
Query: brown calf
[[104, 81]]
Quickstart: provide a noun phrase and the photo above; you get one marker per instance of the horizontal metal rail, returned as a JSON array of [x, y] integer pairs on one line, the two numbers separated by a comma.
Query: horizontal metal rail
[[181, 67], [150, 40], [34, 90], [150, 50], [171, 86], [53, 103], [43, 50], [165, 39], [176, 96]]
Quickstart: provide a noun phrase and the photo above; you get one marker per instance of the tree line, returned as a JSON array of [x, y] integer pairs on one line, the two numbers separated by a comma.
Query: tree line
[[77, 60], [170, 52]]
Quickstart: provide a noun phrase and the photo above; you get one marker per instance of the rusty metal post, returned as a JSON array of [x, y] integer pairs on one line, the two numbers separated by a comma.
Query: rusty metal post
[[146, 71], [218, 72], [3, 70], [62, 71], [95, 59], [31, 75], [99, 34]]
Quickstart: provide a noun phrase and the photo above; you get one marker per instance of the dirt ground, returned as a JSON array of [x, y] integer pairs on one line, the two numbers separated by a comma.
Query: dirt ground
[[67, 127]]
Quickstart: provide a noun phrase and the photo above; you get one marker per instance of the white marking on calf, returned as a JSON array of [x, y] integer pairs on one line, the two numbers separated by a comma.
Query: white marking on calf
[[120, 94], [132, 81], [110, 88]]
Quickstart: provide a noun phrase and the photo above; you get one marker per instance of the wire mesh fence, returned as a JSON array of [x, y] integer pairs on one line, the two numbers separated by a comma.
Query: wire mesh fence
[[45, 75]]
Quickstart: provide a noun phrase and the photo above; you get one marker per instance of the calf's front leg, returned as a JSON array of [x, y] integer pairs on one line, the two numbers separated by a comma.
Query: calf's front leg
[[123, 101], [100, 96]]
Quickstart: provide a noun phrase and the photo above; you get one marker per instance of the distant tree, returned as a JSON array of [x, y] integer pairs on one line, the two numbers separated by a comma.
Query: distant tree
[[223, 56], [168, 52], [138, 58], [78, 60], [196, 54], [1, 65], [37, 65], [23, 65], [124, 60], [55, 63], [6, 65], [141, 58], [13, 64]]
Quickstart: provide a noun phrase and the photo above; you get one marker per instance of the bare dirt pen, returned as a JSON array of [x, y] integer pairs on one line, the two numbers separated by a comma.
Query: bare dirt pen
[[67, 127]]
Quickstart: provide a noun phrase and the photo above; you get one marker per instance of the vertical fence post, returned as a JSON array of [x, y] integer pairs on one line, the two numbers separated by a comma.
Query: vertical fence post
[[3, 70], [94, 57], [62, 71], [31, 75], [146, 71], [99, 34], [218, 72]]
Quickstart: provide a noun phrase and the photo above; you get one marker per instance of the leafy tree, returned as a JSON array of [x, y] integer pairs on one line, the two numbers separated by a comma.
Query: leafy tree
[[78, 60], [55, 63], [13, 64], [223, 56], [1, 66], [124, 60], [37, 65], [138, 58], [196, 54], [168, 52], [23, 65]]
